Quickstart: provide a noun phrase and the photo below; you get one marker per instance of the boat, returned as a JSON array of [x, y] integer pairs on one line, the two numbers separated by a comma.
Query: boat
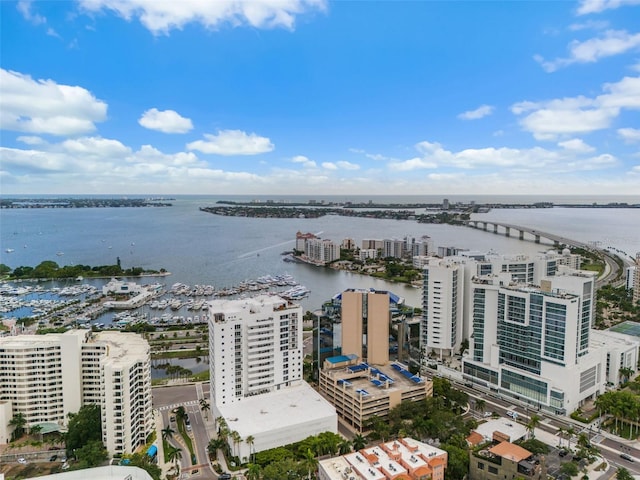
[[60, 254], [9, 250]]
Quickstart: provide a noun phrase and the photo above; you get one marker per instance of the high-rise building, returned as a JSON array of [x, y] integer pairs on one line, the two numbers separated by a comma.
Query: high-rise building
[[321, 251], [636, 280], [442, 306], [365, 322], [532, 342], [255, 347], [256, 353], [46, 377]]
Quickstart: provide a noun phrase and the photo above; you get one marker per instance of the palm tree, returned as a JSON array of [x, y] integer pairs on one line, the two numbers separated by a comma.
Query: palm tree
[[250, 440], [625, 373], [310, 462], [344, 447], [533, 423], [167, 433], [204, 406], [480, 405], [18, 422], [175, 455], [570, 433], [253, 472], [181, 413], [358, 442], [215, 444], [235, 436], [561, 432]]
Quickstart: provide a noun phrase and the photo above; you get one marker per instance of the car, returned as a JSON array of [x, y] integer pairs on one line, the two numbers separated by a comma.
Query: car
[[563, 453], [53, 458], [22, 461], [511, 413], [65, 466], [487, 414], [224, 476], [627, 457], [172, 418]]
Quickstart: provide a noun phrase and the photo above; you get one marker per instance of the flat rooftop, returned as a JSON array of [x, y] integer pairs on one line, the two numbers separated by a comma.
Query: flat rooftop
[[509, 427], [283, 408], [375, 381]]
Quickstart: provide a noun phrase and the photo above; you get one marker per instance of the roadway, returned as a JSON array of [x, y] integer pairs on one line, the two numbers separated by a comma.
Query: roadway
[[609, 446], [165, 399]]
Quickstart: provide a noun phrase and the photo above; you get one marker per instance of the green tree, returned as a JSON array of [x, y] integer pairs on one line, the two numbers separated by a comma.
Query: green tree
[[167, 432], [625, 373], [623, 474], [84, 426], [310, 462], [532, 424], [253, 472], [250, 441], [91, 454], [480, 405], [205, 407], [4, 269], [458, 462], [175, 455], [142, 460], [344, 447], [359, 442], [18, 422], [569, 468]]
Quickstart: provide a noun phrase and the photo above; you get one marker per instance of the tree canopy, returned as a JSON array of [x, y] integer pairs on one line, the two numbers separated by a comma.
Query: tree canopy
[[84, 427]]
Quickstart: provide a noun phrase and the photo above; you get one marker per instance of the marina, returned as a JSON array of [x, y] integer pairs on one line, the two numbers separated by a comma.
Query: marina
[[103, 307]]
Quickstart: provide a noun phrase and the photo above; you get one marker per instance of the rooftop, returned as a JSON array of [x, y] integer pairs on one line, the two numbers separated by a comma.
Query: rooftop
[[512, 452], [512, 429], [280, 409]]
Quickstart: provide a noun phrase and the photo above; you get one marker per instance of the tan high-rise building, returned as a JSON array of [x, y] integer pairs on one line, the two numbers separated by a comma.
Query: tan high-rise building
[[365, 325]]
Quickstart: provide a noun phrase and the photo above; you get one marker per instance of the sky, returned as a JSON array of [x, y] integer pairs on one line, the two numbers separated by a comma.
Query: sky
[[312, 97]]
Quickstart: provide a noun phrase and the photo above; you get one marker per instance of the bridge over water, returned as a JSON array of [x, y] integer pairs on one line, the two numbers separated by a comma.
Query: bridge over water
[[524, 233]]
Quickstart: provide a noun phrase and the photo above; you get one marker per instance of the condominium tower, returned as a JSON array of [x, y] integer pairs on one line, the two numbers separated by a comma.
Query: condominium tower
[[257, 386], [46, 377]]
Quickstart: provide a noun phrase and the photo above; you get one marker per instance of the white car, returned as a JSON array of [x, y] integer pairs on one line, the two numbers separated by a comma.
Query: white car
[[511, 414], [22, 460], [487, 414]]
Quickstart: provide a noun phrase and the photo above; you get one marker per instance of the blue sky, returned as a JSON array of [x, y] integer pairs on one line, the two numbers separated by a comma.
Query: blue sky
[[314, 97]]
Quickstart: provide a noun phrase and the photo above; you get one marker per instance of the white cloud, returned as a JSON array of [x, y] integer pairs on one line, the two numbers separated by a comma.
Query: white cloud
[[304, 161], [481, 111], [597, 6], [30, 140], [577, 145], [629, 135], [43, 106], [232, 142], [160, 17], [614, 42], [24, 7], [589, 24], [579, 115], [166, 121], [341, 165], [504, 159]]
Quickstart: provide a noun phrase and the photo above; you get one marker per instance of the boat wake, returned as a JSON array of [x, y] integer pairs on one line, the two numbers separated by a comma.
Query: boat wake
[[255, 252]]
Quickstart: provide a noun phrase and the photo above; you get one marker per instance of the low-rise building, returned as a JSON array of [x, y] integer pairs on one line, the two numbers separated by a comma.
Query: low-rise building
[[359, 391], [405, 459], [505, 460]]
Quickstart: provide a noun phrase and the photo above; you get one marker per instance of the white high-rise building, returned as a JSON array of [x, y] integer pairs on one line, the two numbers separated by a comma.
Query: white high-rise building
[[442, 306], [636, 280], [321, 251], [256, 367], [46, 377], [255, 347], [532, 342]]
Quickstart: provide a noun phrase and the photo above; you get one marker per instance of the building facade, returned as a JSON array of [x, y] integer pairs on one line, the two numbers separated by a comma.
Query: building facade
[[46, 377], [256, 373], [365, 325], [442, 307], [255, 347], [506, 460], [533, 342]]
